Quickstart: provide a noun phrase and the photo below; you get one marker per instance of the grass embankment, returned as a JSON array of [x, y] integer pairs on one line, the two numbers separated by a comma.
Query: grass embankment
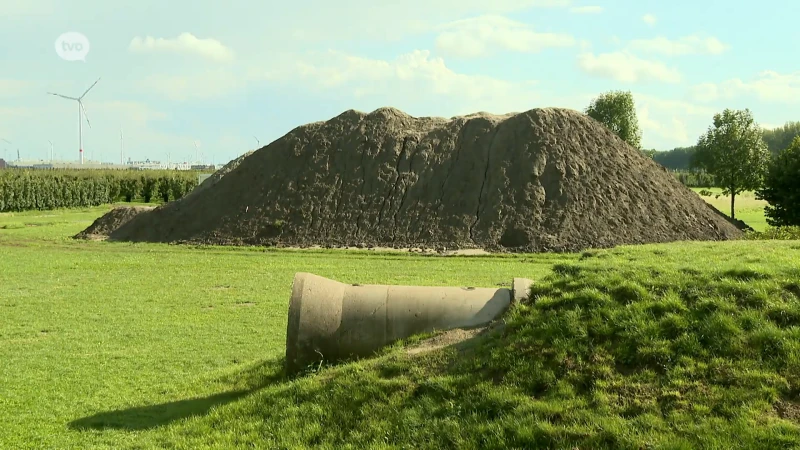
[[747, 207], [688, 345]]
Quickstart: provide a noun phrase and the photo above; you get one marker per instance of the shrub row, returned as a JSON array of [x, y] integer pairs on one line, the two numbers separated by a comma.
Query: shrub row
[[695, 179], [784, 233], [22, 190]]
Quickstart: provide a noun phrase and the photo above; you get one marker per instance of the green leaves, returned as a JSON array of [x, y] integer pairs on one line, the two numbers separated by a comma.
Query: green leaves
[[782, 187], [733, 150], [22, 190], [616, 110]]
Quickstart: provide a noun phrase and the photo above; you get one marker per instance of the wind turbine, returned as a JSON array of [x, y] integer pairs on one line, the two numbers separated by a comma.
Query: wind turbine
[[81, 109], [121, 148], [5, 149], [195, 152]]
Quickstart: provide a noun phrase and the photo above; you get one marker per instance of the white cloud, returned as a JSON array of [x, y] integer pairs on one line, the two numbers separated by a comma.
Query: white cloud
[[649, 19], [704, 92], [27, 8], [481, 36], [184, 43], [670, 123], [14, 88], [199, 86], [406, 81], [768, 86], [627, 68], [586, 9], [687, 45], [367, 19]]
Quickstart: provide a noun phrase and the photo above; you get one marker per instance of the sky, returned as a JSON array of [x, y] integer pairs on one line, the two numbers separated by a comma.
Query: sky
[[219, 78]]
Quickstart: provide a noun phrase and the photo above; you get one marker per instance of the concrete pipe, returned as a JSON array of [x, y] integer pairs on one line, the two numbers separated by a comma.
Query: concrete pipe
[[333, 321]]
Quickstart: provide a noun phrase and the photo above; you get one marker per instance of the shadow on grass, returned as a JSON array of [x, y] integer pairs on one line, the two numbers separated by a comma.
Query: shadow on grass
[[152, 416]]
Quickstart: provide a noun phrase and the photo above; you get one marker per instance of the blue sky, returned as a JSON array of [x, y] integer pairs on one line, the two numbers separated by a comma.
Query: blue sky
[[218, 73]]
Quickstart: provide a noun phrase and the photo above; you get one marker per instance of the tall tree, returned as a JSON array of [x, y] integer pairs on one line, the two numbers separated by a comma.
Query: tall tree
[[617, 111], [782, 187], [734, 151]]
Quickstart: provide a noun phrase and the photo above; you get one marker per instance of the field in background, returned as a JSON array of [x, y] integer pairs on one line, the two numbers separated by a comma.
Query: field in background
[[748, 209], [116, 345]]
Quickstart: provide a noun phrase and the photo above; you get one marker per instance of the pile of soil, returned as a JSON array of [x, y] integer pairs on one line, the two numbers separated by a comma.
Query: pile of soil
[[221, 172], [543, 180], [110, 221]]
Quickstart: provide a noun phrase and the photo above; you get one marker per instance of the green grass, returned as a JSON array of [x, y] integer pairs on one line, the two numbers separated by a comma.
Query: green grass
[[115, 345], [747, 207]]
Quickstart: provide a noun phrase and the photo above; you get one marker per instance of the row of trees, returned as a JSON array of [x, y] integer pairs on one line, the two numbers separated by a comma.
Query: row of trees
[[695, 178], [734, 151], [22, 190], [680, 158]]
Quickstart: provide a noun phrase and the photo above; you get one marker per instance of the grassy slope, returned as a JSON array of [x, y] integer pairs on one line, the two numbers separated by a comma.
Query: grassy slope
[[119, 346], [748, 209]]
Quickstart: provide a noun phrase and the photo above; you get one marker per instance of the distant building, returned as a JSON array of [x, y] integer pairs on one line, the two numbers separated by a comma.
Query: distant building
[[203, 167], [146, 164]]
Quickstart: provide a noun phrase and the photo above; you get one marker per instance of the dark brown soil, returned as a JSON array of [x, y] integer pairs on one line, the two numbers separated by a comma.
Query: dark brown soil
[[216, 176], [543, 180], [110, 221]]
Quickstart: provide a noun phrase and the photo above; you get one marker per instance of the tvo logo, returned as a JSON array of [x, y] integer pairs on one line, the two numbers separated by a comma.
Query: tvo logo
[[72, 46]]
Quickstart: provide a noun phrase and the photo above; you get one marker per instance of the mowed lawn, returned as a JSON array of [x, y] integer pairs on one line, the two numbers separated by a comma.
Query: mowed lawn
[[93, 327], [115, 345], [746, 206]]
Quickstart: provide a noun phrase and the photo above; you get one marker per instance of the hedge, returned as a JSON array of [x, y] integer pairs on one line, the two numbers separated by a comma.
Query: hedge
[[43, 189]]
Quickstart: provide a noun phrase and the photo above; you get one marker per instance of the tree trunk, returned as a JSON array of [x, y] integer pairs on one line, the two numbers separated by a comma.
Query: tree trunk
[[733, 197]]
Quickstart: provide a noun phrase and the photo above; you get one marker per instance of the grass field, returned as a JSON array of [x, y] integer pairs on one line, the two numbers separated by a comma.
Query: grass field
[[747, 207], [114, 345]]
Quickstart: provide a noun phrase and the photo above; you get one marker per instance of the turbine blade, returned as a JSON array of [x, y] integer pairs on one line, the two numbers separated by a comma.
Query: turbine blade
[[62, 96], [85, 116], [90, 88]]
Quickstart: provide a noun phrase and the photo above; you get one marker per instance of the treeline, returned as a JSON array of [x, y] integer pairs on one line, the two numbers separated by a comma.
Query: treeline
[[680, 158], [691, 178], [24, 189]]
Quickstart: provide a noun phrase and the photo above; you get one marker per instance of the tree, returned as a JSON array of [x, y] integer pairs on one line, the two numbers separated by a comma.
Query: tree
[[782, 187], [679, 158], [650, 153], [616, 110], [780, 138], [734, 152]]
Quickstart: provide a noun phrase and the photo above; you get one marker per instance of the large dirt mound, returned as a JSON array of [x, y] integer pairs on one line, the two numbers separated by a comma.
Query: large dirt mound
[[543, 180], [110, 221], [221, 172]]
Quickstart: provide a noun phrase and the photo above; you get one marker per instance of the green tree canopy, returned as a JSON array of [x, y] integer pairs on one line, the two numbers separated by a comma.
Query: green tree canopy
[[734, 151], [779, 139], [679, 158], [782, 187], [617, 111]]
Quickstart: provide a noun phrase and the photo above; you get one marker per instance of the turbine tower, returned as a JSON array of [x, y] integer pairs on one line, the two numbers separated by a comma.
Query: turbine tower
[[51, 150], [81, 110], [5, 150], [121, 148]]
